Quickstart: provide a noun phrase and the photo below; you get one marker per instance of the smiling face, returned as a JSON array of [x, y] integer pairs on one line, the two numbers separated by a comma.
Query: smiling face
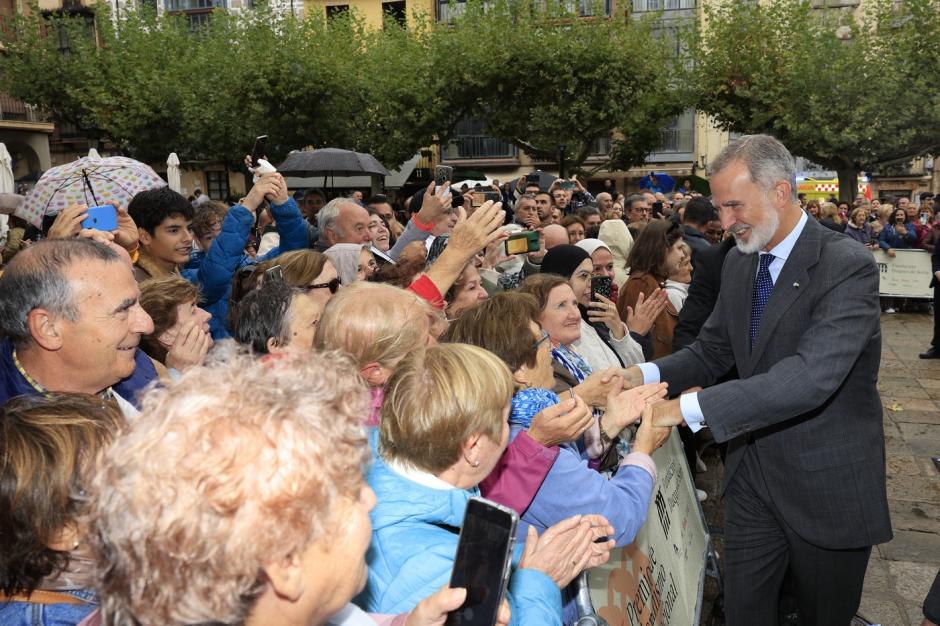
[[100, 345], [745, 208], [603, 262], [580, 281], [171, 242], [575, 233], [379, 233], [561, 317]]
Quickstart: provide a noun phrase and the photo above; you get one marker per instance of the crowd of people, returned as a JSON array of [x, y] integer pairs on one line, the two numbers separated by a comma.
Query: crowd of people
[[277, 411]]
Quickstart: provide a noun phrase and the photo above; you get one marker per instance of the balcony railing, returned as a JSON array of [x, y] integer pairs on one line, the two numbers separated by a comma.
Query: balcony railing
[[13, 110], [676, 140], [194, 5], [478, 147]]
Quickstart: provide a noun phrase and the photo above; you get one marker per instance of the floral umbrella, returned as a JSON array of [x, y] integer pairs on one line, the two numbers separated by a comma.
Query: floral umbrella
[[88, 180]]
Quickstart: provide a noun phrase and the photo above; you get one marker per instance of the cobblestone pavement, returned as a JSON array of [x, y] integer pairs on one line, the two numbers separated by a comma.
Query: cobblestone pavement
[[900, 572]]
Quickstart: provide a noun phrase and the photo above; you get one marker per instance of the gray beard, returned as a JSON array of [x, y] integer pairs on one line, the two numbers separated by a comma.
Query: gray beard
[[761, 234]]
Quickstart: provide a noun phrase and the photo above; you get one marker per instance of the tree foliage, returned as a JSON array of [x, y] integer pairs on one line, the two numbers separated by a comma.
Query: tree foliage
[[848, 90], [554, 83]]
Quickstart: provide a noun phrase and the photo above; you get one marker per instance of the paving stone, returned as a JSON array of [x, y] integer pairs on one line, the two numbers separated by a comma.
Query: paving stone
[[916, 417], [903, 465], [915, 432], [912, 546], [914, 489], [884, 612], [907, 390], [909, 404], [919, 516], [877, 581], [929, 383], [912, 580]]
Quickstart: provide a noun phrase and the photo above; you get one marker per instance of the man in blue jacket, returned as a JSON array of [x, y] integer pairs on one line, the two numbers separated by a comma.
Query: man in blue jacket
[[165, 228]]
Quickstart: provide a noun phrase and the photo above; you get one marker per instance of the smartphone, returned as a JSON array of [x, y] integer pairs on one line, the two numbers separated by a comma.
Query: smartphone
[[567, 185], [657, 208], [492, 196], [601, 285], [442, 174], [924, 217], [521, 243], [533, 180], [257, 152], [481, 566], [102, 217]]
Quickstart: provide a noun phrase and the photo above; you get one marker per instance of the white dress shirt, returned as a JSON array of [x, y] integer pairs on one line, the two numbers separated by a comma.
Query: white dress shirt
[[688, 403]]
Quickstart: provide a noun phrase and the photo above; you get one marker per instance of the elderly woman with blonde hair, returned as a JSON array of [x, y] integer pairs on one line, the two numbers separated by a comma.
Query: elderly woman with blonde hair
[[237, 497], [444, 428], [379, 325]]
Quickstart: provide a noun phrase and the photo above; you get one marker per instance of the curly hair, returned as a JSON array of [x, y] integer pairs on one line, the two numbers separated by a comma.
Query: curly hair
[[235, 465], [47, 449]]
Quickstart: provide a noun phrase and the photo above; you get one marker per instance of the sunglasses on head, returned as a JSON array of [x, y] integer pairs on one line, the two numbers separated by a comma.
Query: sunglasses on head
[[333, 285]]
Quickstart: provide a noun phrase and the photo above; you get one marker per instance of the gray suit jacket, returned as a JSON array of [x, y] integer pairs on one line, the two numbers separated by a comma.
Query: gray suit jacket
[[807, 394]]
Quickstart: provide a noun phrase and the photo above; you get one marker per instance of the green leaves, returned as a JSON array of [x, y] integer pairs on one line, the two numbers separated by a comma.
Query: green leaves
[[846, 90]]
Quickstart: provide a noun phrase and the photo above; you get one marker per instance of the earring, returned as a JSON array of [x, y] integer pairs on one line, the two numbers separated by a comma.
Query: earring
[[75, 545], [476, 463]]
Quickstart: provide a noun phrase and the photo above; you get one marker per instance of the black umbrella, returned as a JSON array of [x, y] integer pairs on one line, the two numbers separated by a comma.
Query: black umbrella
[[331, 162]]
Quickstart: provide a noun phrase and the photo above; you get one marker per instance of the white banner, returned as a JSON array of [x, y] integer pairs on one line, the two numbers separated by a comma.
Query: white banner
[[658, 579], [907, 275]]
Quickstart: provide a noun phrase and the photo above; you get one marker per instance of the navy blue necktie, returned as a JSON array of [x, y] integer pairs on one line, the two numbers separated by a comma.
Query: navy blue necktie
[[763, 287]]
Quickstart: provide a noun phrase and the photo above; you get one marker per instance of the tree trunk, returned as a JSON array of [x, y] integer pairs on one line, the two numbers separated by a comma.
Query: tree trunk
[[848, 185]]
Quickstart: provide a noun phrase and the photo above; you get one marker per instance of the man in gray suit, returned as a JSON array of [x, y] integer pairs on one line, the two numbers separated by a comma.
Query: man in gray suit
[[798, 314]]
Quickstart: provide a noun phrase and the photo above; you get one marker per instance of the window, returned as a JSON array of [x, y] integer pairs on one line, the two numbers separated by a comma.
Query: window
[[336, 10], [471, 142], [642, 6], [194, 5], [217, 185], [394, 12], [678, 138]]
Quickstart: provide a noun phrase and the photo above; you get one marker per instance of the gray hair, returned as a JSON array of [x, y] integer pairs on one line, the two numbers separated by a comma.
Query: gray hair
[[265, 314], [767, 160], [36, 279], [328, 215], [633, 197]]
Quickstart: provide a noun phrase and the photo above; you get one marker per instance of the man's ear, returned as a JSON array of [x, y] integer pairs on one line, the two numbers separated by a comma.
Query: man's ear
[[274, 346], [286, 577], [781, 194], [374, 374], [145, 238], [45, 329]]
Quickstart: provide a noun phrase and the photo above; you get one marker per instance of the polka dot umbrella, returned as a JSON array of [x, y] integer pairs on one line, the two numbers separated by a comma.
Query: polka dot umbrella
[[88, 180]]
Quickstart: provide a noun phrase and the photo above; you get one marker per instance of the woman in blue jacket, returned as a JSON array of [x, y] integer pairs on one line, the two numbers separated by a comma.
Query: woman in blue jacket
[[897, 233], [442, 431]]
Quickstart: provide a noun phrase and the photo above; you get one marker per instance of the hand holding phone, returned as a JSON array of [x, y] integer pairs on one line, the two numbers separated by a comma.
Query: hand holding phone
[[482, 564], [257, 151], [102, 217], [522, 243]]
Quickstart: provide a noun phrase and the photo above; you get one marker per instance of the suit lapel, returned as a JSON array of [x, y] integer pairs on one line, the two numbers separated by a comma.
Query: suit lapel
[[793, 281]]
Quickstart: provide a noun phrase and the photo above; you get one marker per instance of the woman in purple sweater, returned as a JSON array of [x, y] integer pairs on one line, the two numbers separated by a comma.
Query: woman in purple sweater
[[507, 325]]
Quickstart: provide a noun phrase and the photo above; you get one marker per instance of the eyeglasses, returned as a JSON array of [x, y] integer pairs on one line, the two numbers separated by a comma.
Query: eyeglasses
[[542, 338], [333, 286]]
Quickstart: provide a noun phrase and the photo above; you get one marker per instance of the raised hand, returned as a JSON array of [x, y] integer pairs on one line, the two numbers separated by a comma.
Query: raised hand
[[565, 421], [641, 318], [603, 310]]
